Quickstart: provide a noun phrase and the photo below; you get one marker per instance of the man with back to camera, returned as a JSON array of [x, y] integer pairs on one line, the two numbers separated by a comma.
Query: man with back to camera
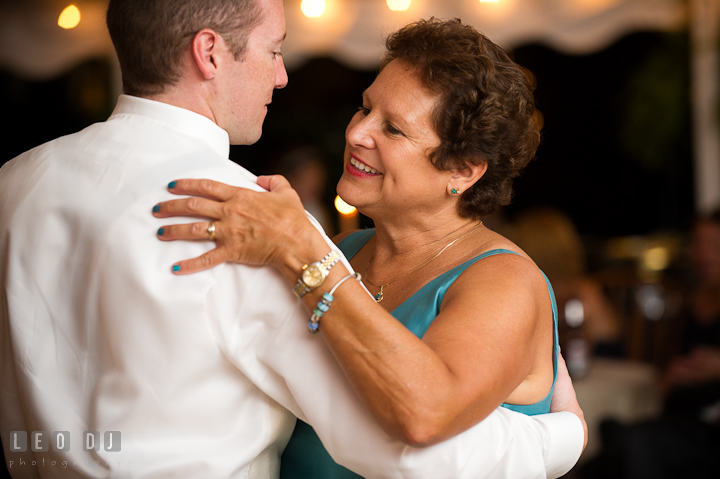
[[193, 376]]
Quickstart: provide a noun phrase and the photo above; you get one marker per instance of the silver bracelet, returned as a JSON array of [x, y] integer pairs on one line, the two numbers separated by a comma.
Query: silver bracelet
[[324, 304]]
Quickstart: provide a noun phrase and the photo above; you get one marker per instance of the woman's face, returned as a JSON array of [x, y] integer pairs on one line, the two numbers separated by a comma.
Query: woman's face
[[387, 170]]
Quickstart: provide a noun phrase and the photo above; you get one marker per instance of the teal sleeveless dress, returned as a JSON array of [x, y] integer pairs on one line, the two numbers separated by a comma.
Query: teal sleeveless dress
[[305, 457]]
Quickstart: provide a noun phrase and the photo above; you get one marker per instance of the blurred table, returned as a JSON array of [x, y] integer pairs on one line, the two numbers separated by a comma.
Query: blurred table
[[618, 389]]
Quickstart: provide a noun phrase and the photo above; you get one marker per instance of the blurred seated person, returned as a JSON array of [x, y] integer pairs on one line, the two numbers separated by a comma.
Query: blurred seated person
[[692, 381], [549, 237], [304, 168]]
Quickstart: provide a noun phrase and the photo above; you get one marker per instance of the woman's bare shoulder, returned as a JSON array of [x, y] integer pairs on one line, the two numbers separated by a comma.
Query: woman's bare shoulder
[[497, 241], [509, 285], [502, 270]]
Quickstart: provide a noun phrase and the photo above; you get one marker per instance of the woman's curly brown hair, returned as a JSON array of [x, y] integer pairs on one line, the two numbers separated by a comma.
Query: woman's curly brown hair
[[485, 110]]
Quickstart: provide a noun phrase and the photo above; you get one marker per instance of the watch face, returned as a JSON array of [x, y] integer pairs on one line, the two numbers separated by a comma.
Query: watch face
[[313, 276]]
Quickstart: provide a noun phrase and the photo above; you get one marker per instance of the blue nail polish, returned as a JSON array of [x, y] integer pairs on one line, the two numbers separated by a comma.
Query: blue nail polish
[[172, 184], [161, 231], [176, 268], [156, 209]]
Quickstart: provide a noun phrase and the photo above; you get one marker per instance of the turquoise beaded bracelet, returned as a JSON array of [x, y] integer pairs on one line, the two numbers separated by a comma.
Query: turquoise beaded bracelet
[[324, 304]]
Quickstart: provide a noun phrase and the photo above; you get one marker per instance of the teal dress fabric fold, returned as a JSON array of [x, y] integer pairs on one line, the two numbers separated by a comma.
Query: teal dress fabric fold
[[305, 457]]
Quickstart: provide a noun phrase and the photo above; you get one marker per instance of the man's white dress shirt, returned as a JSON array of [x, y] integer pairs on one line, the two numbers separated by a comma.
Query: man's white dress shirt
[[202, 375]]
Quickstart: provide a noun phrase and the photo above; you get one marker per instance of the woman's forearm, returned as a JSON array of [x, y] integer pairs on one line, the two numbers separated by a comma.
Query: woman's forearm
[[412, 392], [406, 385]]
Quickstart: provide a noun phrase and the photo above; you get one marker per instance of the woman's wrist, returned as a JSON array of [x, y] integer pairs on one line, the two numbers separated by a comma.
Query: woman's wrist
[[305, 247]]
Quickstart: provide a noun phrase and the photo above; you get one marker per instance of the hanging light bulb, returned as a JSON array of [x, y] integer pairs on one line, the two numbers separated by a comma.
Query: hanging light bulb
[[70, 17], [312, 8], [398, 5]]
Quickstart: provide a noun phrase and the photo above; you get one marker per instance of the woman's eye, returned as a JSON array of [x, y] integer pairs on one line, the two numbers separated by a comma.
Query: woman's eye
[[392, 130], [364, 110]]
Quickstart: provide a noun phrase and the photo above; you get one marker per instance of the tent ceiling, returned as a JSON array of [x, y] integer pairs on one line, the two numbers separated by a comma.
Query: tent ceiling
[[352, 31]]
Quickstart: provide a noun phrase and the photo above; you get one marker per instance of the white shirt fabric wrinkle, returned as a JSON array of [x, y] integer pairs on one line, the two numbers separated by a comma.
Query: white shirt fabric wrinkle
[[201, 375]]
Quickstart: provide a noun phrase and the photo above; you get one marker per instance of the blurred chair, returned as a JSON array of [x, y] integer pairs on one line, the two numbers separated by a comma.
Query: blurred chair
[[647, 300]]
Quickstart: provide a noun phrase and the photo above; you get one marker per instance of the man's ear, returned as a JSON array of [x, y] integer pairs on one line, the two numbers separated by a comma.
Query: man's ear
[[463, 178], [206, 47]]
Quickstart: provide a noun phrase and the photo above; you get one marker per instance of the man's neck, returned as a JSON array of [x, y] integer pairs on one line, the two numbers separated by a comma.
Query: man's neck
[[182, 97]]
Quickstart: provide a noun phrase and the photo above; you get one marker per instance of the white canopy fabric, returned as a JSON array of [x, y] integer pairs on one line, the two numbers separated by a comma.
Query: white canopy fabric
[[351, 31]]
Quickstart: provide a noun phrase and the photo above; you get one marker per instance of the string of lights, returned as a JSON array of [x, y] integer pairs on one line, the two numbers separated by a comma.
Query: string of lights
[[70, 16], [315, 8]]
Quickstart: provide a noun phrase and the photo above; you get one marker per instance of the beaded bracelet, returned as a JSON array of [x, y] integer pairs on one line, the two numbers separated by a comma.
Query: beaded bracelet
[[324, 304]]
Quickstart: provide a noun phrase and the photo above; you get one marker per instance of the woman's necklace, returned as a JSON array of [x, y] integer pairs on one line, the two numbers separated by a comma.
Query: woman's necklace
[[379, 297]]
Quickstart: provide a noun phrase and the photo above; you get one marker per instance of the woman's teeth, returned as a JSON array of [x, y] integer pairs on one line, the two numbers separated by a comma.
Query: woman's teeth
[[363, 167]]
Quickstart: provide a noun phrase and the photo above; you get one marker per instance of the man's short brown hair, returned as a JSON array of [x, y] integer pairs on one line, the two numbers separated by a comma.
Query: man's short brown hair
[[151, 36]]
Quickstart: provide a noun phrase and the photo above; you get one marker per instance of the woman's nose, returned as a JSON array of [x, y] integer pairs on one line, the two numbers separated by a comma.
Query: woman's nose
[[359, 131]]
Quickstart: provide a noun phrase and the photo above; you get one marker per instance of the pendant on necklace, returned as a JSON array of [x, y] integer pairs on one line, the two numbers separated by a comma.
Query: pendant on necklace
[[379, 296]]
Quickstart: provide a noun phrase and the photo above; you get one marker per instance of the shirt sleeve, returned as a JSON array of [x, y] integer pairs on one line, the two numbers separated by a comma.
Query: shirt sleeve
[[269, 342]]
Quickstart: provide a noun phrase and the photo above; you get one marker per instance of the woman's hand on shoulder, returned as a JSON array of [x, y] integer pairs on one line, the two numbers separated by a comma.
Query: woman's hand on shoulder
[[250, 227]]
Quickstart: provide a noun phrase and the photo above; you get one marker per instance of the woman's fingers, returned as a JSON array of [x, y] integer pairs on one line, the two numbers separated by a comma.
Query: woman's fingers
[[250, 227], [190, 231], [188, 207], [208, 260], [209, 189], [564, 397], [273, 182]]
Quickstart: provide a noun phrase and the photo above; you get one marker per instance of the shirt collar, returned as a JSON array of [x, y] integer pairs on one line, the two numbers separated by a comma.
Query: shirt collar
[[185, 121]]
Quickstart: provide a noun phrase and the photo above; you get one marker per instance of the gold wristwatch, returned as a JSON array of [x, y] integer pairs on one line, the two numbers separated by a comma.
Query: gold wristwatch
[[313, 275]]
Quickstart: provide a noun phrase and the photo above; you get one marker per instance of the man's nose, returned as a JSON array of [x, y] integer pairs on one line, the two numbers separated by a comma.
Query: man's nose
[[281, 76]]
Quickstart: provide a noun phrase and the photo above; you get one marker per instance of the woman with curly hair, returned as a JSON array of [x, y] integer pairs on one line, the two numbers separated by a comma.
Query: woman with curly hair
[[459, 320]]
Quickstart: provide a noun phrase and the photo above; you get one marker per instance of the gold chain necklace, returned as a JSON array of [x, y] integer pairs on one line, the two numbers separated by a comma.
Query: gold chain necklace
[[380, 296]]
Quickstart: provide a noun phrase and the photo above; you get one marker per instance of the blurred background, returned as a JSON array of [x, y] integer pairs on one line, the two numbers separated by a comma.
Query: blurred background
[[616, 208]]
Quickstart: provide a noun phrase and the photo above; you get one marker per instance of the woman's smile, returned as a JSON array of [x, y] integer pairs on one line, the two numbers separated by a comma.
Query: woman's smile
[[358, 168]]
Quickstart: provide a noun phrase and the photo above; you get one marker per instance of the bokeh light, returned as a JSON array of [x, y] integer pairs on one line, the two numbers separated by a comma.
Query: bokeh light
[[70, 17], [312, 8], [344, 208], [398, 5]]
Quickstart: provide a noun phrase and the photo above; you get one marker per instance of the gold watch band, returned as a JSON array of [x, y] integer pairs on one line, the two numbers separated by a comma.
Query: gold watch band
[[321, 268]]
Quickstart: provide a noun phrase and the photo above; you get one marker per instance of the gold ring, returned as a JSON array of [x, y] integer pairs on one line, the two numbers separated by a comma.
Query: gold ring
[[211, 231]]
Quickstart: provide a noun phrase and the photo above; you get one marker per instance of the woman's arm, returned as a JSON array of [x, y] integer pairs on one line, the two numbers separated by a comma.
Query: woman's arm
[[476, 353]]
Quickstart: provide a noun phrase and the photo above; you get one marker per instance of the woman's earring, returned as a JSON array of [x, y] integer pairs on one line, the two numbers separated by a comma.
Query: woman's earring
[[454, 191]]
